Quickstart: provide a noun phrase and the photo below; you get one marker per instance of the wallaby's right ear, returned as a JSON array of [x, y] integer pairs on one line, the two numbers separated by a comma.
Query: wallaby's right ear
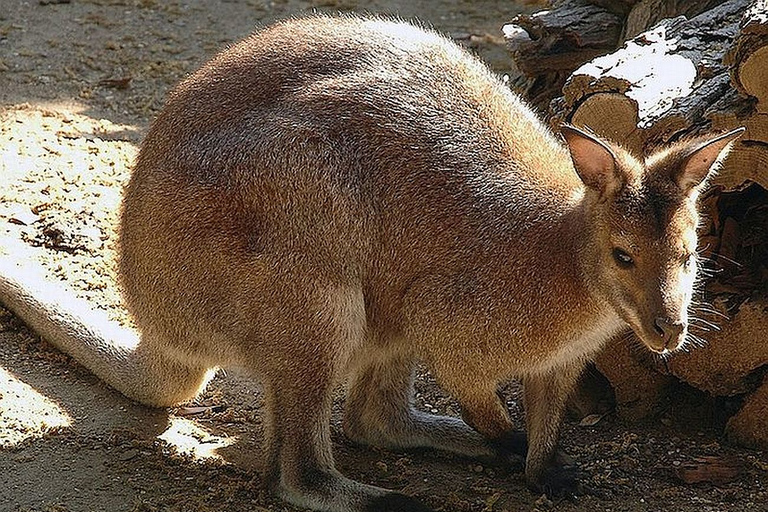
[[703, 159], [594, 161]]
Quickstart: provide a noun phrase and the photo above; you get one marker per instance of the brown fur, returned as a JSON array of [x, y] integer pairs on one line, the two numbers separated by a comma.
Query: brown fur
[[336, 199]]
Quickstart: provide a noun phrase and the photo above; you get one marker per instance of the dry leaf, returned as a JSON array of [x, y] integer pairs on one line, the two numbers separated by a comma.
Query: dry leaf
[[714, 470], [592, 419], [191, 411]]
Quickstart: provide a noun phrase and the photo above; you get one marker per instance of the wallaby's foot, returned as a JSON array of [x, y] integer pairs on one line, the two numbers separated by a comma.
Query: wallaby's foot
[[559, 478], [396, 502], [415, 429], [511, 445], [328, 490]]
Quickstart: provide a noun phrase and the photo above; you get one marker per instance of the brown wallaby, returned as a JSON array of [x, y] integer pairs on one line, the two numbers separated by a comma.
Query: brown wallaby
[[335, 199]]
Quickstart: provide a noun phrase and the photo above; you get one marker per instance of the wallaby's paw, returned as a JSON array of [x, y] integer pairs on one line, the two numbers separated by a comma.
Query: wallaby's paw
[[510, 446], [396, 502], [559, 479], [559, 482]]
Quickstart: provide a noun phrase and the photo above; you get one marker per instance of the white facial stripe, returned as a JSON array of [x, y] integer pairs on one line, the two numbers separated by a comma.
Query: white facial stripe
[[690, 239]]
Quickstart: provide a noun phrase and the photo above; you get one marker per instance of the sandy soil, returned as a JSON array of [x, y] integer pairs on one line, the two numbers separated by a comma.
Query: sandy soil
[[79, 84]]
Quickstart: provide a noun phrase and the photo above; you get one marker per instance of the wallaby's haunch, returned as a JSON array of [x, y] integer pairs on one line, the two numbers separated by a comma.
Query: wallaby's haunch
[[336, 199]]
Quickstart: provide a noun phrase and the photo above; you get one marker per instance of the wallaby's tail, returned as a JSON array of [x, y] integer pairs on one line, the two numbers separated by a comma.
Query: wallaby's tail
[[112, 352]]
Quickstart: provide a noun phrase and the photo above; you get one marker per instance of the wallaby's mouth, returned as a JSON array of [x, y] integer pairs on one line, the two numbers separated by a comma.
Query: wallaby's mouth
[[662, 335]]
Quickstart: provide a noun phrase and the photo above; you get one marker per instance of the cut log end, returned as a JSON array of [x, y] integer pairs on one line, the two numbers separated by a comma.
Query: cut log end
[[638, 388], [753, 77], [724, 366], [612, 116], [747, 163]]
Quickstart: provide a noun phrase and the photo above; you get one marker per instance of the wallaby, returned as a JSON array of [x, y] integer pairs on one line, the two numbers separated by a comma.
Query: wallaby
[[335, 199]]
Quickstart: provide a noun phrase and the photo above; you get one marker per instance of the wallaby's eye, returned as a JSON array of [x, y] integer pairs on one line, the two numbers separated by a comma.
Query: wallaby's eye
[[623, 259]]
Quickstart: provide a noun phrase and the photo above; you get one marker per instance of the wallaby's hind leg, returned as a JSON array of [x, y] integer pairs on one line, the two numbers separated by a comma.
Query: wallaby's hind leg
[[298, 390], [298, 452], [379, 412]]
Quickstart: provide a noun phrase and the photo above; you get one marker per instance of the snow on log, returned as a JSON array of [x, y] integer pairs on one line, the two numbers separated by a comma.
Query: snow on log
[[548, 45], [671, 75]]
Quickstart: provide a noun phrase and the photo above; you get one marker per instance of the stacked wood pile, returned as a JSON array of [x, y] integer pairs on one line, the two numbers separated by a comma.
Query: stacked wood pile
[[686, 76], [549, 45]]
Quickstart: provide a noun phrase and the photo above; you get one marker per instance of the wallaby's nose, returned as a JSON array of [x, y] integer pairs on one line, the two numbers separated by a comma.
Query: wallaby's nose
[[669, 330]]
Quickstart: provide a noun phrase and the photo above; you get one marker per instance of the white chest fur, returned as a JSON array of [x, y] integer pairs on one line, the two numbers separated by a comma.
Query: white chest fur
[[582, 344]]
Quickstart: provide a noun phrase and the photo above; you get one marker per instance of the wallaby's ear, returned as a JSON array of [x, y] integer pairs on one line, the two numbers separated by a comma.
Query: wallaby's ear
[[594, 161], [702, 159]]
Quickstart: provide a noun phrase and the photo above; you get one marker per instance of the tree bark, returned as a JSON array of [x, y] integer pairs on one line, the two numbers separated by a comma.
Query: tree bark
[[748, 58], [647, 13]]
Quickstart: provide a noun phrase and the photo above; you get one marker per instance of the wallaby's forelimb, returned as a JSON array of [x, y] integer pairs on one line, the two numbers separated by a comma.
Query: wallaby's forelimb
[[547, 469]]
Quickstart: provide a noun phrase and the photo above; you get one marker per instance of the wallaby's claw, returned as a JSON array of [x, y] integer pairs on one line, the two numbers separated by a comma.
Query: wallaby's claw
[[512, 448], [559, 481]]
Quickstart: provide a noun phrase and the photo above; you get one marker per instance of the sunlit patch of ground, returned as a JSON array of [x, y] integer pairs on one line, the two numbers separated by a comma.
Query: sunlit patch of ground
[[62, 178], [188, 438]]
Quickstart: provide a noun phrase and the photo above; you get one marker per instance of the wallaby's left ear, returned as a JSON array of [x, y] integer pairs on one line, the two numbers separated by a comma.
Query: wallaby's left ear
[[703, 158]]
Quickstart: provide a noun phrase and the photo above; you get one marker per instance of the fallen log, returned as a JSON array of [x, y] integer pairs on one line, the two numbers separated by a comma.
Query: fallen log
[[548, 45], [748, 59]]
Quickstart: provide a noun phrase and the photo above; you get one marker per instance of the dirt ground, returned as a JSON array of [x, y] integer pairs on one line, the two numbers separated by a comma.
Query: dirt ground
[[79, 84]]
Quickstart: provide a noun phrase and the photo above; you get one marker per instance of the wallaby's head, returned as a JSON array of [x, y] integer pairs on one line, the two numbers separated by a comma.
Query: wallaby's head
[[641, 220]]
